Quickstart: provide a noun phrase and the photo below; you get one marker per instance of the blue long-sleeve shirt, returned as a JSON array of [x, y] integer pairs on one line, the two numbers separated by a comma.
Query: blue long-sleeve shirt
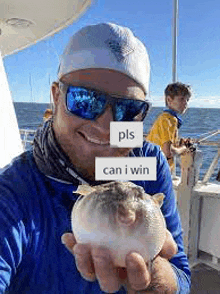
[[35, 212]]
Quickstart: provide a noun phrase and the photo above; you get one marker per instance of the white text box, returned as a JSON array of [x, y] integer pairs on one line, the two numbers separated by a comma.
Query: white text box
[[126, 134], [125, 168]]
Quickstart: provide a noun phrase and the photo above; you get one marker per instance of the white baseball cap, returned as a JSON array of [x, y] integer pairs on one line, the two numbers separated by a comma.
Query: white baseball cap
[[108, 46]]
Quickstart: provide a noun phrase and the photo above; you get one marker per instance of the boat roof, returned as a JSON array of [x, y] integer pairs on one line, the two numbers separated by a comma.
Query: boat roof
[[24, 22]]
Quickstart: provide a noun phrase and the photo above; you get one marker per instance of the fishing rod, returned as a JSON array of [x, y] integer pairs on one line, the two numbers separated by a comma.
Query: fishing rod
[[213, 133]]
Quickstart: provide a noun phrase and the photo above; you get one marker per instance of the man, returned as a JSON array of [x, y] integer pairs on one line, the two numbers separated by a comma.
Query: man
[[164, 131], [47, 114], [103, 76]]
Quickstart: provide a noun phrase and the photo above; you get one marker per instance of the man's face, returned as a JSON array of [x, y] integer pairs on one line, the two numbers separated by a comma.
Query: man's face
[[178, 103], [84, 140]]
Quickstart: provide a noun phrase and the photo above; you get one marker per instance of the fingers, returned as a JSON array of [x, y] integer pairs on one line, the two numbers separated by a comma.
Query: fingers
[[106, 272], [82, 256], [137, 273], [169, 248], [69, 241], [96, 263], [84, 262]]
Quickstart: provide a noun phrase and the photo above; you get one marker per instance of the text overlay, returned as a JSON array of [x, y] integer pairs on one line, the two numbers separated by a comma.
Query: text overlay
[[125, 168], [126, 134]]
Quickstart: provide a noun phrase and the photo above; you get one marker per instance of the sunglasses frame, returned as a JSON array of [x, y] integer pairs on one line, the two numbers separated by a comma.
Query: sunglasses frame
[[109, 100]]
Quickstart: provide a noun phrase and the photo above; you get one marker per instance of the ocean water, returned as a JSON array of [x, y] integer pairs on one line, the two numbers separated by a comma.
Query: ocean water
[[197, 122]]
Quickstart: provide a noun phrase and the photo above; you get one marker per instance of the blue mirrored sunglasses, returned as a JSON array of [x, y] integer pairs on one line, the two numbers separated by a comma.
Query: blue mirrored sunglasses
[[90, 104]]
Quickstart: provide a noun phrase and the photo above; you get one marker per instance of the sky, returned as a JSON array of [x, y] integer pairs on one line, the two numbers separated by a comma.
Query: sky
[[31, 71]]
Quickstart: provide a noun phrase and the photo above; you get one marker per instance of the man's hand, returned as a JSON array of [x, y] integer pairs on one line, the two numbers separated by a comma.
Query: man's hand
[[138, 277]]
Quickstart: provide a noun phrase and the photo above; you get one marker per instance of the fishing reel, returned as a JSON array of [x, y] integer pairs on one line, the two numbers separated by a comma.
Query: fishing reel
[[189, 143]]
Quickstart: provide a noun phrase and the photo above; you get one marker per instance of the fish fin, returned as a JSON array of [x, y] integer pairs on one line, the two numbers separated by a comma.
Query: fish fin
[[158, 198], [84, 190]]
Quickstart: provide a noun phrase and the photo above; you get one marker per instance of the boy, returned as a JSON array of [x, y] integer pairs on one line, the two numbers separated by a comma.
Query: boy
[[164, 131]]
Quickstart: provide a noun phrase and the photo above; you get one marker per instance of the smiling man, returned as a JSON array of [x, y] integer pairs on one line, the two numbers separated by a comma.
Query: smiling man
[[92, 136], [103, 77]]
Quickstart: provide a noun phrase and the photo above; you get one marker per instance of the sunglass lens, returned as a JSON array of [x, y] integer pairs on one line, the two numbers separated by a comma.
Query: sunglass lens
[[98, 103], [129, 110], [89, 104], [84, 104]]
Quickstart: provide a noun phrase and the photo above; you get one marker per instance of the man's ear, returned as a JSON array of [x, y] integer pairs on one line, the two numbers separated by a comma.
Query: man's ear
[[55, 92]]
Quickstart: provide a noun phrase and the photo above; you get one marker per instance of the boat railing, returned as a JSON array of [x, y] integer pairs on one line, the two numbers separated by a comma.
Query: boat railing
[[204, 142], [27, 137], [199, 205], [214, 163]]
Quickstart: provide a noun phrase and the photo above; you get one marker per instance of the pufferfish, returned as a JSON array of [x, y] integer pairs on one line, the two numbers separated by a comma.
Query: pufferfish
[[121, 217]]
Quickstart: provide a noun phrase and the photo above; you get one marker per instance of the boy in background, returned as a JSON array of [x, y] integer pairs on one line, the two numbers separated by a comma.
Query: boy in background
[[164, 131]]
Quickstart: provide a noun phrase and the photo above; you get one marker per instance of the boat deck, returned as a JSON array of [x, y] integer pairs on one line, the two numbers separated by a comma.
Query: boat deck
[[205, 280]]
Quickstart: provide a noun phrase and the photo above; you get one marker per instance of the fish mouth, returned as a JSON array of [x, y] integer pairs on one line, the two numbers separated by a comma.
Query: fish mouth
[[94, 140]]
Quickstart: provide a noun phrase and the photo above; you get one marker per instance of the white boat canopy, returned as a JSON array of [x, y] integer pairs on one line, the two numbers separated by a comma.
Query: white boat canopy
[[24, 22]]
